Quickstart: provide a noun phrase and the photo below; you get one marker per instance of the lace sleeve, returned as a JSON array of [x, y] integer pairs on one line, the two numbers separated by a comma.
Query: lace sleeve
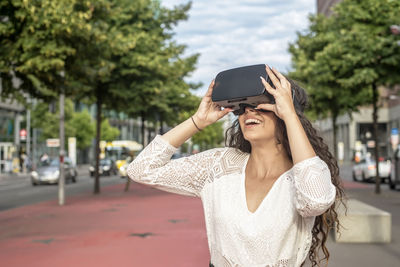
[[185, 176], [315, 192]]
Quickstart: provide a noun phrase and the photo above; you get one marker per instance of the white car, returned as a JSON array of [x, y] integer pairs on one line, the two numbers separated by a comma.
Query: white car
[[366, 170], [394, 180]]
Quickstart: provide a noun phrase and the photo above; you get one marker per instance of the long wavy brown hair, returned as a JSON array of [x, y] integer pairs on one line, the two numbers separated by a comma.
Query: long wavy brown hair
[[326, 221]]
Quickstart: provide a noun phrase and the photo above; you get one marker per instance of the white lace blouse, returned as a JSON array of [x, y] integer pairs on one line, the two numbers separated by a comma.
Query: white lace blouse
[[277, 234]]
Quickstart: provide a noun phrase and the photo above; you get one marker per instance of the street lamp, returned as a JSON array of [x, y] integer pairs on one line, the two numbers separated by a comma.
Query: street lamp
[[61, 181]]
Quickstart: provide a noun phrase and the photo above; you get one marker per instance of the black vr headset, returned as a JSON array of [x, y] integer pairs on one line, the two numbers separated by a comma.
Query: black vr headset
[[242, 87]]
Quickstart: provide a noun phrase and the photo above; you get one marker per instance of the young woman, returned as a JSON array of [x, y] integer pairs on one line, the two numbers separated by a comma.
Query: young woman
[[269, 197]]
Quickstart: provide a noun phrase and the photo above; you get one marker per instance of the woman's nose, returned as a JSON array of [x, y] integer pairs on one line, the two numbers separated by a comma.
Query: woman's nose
[[249, 109]]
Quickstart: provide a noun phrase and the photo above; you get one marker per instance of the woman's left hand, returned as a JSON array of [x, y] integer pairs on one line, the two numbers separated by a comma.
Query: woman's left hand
[[283, 107]]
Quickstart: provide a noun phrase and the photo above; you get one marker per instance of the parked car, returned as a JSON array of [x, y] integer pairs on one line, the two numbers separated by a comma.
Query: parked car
[[106, 167], [394, 179], [48, 172], [365, 170]]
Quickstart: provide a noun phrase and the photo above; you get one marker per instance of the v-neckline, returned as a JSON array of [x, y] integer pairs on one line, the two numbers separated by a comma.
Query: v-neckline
[[243, 186]]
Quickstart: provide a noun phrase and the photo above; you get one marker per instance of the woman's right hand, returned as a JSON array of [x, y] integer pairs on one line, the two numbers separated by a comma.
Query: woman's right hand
[[208, 111]]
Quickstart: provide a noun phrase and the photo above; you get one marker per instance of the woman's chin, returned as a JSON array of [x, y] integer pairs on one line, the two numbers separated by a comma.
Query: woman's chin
[[256, 137]]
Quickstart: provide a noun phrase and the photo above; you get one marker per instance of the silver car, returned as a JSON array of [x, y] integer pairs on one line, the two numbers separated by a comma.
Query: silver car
[[365, 170], [48, 172]]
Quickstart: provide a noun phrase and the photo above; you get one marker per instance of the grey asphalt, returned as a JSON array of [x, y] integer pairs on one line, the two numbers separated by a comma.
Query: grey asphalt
[[16, 190]]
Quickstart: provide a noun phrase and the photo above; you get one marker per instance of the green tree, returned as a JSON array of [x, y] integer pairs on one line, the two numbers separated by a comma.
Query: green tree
[[77, 124], [117, 54], [108, 133], [210, 137], [37, 40], [153, 73], [361, 55], [370, 51], [84, 126], [129, 65], [47, 121], [316, 58]]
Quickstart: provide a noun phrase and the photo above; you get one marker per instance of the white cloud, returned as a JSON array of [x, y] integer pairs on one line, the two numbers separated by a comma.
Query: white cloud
[[233, 33]]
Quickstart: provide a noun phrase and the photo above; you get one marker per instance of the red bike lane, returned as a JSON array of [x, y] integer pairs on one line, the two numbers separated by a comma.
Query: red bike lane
[[143, 227]]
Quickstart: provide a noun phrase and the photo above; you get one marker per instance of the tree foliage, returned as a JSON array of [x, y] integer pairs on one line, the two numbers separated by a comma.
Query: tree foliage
[[345, 58], [108, 133], [83, 125], [316, 58], [118, 55], [77, 124], [38, 40]]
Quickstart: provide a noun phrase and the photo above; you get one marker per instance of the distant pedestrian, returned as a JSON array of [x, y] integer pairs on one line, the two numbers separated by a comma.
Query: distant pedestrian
[[44, 157], [27, 164], [269, 197]]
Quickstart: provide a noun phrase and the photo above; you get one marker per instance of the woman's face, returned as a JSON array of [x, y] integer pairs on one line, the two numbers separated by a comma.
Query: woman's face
[[257, 125]]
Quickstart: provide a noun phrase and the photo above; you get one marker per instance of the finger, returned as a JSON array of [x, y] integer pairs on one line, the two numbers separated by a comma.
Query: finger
[[270, 107], [269, 88], [278, 74], [284, 82], [210, 89], [223, 112], [273, 78]]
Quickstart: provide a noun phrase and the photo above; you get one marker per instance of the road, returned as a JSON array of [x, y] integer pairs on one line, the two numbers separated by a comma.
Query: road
[[16, 191]]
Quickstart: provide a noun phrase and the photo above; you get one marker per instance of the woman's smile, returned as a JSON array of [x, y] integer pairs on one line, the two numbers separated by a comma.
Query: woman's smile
[[251, 122]]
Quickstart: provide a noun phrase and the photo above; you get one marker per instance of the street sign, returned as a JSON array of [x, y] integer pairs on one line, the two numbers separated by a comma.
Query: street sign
[[394, 137], [72, 149], [371, 143], [22, 134], [55, 142], [340, 151]]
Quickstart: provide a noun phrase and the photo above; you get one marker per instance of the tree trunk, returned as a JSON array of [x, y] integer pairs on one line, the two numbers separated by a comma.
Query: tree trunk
[[143, 129], [375, 135], [97, 144], [334, 127], [149, 131], [161, 125]]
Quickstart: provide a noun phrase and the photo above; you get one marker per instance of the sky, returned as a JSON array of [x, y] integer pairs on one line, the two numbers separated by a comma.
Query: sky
[[233, 33]]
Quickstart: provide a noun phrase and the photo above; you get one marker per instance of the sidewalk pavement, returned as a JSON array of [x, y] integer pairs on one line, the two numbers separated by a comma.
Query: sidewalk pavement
[[146, 227], [374, 254]]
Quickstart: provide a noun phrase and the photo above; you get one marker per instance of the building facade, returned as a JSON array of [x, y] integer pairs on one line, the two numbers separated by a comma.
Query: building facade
[[11, 115]]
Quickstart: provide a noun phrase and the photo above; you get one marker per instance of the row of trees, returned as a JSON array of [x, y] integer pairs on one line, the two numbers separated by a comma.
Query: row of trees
[[77, 124], [343, 59], [118, 55]]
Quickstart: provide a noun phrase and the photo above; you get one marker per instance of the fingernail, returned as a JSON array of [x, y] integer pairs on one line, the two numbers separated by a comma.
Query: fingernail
[[262, 78]]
